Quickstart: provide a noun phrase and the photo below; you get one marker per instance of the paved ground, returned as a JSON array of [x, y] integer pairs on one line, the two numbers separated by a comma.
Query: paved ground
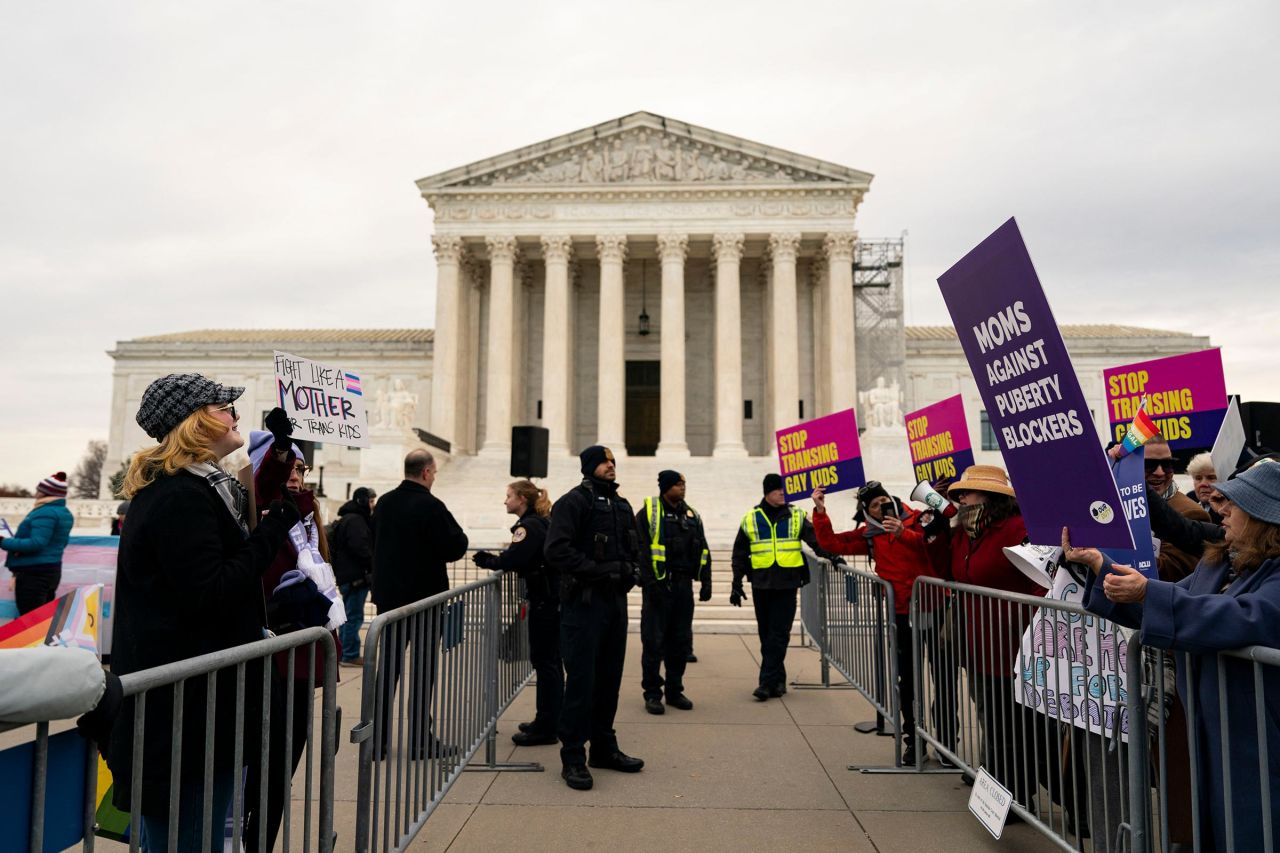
[[733, 774]]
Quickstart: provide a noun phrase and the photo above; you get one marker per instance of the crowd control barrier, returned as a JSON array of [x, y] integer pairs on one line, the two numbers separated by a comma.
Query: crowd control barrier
[[438, 674], [178, 703]]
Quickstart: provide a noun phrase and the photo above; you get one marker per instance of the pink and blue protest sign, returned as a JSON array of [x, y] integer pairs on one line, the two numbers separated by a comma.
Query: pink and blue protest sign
[[1032, 396], [823, 452], [1186, 397], [938, 437]]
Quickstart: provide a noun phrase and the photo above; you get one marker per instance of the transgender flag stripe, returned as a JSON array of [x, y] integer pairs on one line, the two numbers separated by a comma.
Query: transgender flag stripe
[[353, 384]]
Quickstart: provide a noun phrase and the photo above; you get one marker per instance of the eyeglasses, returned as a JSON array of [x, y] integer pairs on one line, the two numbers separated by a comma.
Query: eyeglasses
[[302, 470], [1152, 464], [230, 407]]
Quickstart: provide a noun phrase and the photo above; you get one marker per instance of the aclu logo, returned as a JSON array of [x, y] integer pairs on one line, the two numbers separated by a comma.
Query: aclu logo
[[1101, 512]]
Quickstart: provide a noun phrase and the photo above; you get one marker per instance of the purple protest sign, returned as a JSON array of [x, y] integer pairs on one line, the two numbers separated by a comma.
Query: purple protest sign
[[821, 452], [1186, 397], [1032, 395], [938, 437]]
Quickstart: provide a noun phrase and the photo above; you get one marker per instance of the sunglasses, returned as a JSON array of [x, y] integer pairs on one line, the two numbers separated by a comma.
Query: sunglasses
[[1152, 464], [871, 486], [230, 407]]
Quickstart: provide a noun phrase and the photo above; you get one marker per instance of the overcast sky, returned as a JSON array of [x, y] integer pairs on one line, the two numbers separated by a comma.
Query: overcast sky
[[168, 166]]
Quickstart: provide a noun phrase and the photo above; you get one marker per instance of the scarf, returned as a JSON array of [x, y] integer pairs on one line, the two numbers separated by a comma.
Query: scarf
[[47, 499], [974, 519], [228, 488]]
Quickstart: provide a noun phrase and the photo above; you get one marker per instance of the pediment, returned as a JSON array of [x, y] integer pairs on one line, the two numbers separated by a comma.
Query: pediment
[[643, 149]]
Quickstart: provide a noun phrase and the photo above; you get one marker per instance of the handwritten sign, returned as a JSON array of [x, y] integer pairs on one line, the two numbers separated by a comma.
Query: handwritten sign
[[1187, 397], [324, 401], [1032, 394], [938, 436], [822, 452]]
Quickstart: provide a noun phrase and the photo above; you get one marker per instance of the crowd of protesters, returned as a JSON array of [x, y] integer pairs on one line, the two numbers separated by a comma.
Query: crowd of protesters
[[257, 559]]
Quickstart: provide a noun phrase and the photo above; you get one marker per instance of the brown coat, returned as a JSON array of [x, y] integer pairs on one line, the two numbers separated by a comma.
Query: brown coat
[[1173, 563]]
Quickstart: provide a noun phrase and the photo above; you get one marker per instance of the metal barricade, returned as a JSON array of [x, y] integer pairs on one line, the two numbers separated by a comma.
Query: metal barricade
[[434, 686], [1208, 759], [1034, 691], [196, 734]]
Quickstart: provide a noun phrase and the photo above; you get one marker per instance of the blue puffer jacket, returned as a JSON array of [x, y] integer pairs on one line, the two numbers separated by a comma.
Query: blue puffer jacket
[[41, 537]]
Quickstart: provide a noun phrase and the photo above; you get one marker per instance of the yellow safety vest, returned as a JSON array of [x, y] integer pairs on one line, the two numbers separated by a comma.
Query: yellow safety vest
[[657, 550], [767, 547]]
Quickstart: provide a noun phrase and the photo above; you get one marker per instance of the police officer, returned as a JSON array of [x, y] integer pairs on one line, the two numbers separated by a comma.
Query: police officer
[[524, 556], [767, 550], [673, 552], [592, 543]]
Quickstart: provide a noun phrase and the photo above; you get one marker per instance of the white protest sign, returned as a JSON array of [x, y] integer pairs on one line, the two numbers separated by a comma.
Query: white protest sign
[[324, 401], [989, 802], [1229, 444]]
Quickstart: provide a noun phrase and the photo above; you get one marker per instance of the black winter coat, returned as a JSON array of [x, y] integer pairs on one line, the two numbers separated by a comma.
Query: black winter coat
[[352, 544], [417, 537], [592, 537], [187, 583], [524, 557]]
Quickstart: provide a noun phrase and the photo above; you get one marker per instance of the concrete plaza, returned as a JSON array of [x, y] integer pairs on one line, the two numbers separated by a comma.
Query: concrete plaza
[[733, 774]]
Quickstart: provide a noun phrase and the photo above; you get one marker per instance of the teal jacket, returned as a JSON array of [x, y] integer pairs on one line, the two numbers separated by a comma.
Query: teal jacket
[[41, 537]]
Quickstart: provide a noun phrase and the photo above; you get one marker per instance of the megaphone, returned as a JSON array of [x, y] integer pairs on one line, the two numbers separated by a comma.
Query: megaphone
[[925, 494], [1038, 562]]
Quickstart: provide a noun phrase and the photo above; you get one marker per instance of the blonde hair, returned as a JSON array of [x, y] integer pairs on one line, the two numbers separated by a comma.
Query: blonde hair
[[1201, 463], [189, 443], [536, 498]]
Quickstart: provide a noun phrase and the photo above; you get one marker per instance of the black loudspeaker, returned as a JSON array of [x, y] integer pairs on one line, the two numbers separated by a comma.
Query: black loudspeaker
[[1261, 424], [529, 451]]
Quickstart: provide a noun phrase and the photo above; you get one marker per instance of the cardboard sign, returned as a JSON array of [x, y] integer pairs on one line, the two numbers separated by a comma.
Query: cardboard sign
[[938, 437], [821, 452], [324, 401], [1187, 397], [1229, 444], [989, 802], [1032, 395]]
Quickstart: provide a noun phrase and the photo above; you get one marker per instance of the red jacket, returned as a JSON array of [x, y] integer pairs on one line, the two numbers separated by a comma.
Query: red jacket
[[898, 559], [994, 628]]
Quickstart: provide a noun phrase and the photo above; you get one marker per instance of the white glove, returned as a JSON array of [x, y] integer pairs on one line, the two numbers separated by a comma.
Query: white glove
[[306, 542]]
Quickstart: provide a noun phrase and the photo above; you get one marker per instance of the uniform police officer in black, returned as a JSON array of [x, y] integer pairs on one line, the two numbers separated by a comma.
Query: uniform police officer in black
[[592, 544], [673, 553], [524, 556]]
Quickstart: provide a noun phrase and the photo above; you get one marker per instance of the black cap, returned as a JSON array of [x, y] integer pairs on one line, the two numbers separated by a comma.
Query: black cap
[[772, 482], [667, 479], [870, 492], [592, 457]]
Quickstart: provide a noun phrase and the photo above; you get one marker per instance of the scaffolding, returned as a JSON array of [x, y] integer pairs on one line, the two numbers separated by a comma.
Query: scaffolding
[[881, 344]]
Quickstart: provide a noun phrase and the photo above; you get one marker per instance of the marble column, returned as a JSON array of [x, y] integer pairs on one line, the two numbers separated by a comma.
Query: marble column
[[785, 341], [840, 334], [727, 252], [447, 356], [556, 375], [611, 374], [497, 426], [672, 250]]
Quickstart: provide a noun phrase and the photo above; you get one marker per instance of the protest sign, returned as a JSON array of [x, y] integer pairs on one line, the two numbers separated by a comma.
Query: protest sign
[[86, 561], [1186, 397], [1072, 666], [324, 401], [1229, 444], [938, 436], [821, 452], [1032, 395]]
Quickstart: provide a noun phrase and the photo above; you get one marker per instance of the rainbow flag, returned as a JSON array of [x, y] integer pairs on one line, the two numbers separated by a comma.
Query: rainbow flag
[[1141, 430], [353, 384], [73, 620]]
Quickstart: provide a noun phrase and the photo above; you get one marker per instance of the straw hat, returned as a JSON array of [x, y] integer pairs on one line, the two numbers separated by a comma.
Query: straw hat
[[982, 478]]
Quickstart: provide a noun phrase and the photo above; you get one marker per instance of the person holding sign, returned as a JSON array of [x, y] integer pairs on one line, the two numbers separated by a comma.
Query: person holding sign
[[767, 551], [1230, 601], [972, 552], [892, 535], [188, 582]]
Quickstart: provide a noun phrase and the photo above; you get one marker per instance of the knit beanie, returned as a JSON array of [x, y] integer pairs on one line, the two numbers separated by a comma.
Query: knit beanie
[[772, 482], [54, 486], [592, 457], [260, 442], [667, 479], [870, 492]]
